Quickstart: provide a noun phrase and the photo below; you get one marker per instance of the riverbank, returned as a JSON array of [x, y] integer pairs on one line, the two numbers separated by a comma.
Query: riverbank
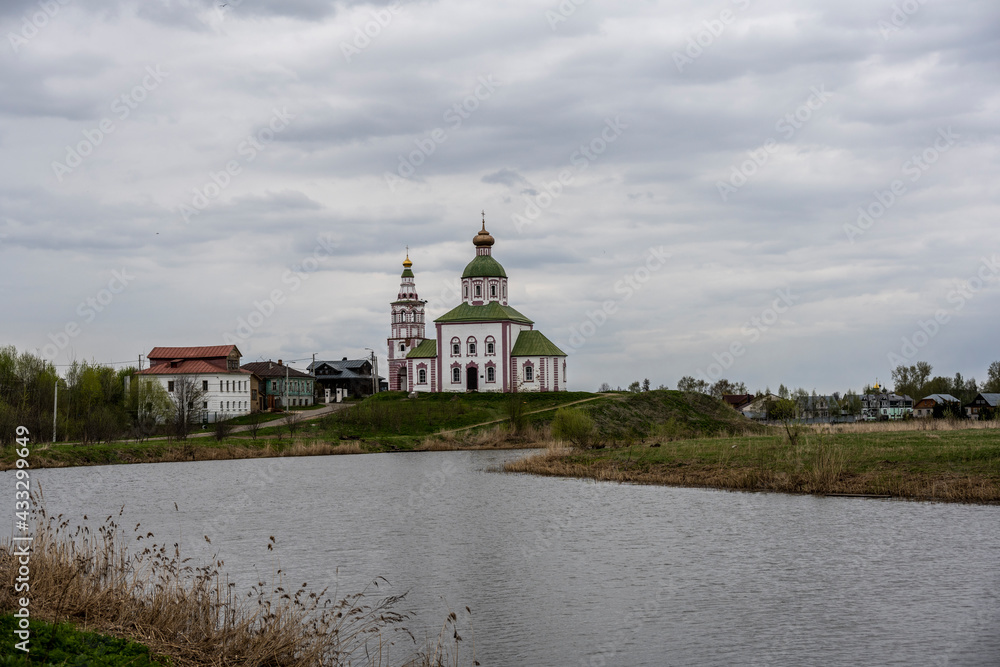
[[94, 600], [950, 464], [392, 422]]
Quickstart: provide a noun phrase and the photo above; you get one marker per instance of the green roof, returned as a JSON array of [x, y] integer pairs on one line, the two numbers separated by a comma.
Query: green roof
[[407, 273], [426, 350], [490, 312], [534, 344], [484, 266]]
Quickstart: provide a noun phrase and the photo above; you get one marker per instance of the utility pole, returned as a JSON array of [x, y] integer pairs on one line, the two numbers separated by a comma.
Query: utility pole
[[55, 409], [286, 388]]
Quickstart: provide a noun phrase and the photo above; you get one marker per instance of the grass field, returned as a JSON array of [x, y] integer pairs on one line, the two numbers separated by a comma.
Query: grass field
[[917, 460]]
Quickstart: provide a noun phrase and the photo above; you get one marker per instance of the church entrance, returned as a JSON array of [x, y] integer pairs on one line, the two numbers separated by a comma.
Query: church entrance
[[401, 380], [472, 379]]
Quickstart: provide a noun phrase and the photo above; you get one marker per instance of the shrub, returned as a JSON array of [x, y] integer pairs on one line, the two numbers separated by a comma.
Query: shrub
[[574, 425]]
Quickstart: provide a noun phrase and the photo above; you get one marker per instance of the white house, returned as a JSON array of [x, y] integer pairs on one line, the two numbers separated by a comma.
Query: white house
[[483, 344], [222, 388]]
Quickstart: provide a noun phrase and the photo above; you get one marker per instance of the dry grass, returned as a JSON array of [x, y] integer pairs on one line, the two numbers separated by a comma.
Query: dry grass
[[906, 425], [137, 588], [497, 437], [954, 465]]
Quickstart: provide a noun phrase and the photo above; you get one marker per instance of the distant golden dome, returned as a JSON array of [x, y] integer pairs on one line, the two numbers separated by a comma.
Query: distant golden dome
[[483, 238], [407, 263]]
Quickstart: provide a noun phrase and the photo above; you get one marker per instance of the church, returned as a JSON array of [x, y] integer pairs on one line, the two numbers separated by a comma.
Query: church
[[482, 344]]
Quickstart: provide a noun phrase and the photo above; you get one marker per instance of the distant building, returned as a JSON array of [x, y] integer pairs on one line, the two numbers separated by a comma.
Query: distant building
[[885, 407], [483, 344], [934, 405], [354, 376], [282, 384], [224, 389], [975, 408], [737, 401]]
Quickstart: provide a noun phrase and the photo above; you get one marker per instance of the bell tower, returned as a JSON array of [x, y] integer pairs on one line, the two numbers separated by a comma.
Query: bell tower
[[408, 326]]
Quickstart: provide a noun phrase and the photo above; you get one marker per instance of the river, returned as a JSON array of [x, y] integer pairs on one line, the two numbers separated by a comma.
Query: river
[[572, 572]]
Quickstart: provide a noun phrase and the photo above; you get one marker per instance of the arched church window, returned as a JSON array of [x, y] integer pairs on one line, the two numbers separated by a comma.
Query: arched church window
[[490, 348], [422, 376], [493, 291], [402, 347], [491, 374], [456, 347], [478, 291], [456, 375], [529, 374]]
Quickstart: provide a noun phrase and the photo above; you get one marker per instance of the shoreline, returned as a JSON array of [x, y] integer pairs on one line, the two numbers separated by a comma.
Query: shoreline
[[815, 467]]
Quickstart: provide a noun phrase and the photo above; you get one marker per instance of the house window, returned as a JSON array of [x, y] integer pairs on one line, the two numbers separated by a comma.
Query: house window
[[491, 374], [170, 385], [490, 348], [456, 375], [529, 374], [204, 386], [205, 405]]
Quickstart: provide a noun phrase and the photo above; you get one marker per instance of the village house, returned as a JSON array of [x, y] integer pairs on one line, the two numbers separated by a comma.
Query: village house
[[934, 405], [983, 403], [282, 386], [353, 376], [209, 376]]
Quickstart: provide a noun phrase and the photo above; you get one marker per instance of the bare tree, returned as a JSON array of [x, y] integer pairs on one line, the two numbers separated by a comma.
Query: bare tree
[[254, 421], [223, 426], [187, 396], [292, 422]]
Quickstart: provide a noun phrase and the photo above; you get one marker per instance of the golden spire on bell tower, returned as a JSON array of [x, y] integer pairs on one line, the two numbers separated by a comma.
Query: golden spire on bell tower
[[407, 263]]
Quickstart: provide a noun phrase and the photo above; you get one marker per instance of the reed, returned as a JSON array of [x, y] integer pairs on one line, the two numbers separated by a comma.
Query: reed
[[135, 587]]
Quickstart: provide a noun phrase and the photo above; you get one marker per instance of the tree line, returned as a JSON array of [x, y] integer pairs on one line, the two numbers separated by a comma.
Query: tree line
[[91, 404], [916, 381]]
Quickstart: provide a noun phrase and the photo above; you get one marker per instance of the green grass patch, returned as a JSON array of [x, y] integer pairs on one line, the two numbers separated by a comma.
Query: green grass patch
[[64, 644]]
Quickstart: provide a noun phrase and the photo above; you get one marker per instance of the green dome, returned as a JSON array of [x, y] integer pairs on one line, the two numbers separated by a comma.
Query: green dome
[[484, 266]]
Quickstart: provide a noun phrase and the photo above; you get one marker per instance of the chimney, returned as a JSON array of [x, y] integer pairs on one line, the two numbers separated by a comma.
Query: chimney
[[344, 359], [279, 362]]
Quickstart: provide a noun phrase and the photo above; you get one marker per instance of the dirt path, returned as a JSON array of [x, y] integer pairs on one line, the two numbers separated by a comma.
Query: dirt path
[[499, 421]]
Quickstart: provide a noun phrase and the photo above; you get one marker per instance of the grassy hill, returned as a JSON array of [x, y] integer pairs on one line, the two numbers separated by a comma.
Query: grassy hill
[[619, 417]]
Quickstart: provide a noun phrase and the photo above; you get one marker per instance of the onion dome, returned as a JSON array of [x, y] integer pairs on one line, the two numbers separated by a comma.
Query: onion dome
[[483, 238]]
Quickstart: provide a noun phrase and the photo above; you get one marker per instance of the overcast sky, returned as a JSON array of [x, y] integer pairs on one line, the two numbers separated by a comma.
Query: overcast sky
[[797, 192]]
